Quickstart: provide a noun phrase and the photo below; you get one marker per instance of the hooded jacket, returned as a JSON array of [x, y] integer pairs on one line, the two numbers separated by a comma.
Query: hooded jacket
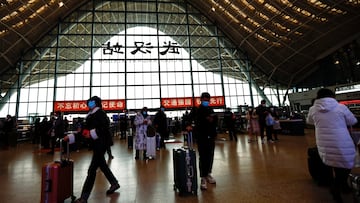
[[331, 119]]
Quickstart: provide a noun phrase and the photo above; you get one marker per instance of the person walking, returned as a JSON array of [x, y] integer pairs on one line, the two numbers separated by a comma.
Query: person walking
[[269, 121], [205, 132], [98, 126], [160, 124], [10, 131], [141, 121], [229, 120], [57, 130], [261, 111], [252, 125], [335, 145]]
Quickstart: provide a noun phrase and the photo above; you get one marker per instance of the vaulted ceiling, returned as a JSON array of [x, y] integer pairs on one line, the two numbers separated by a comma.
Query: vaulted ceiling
[[295, 43]]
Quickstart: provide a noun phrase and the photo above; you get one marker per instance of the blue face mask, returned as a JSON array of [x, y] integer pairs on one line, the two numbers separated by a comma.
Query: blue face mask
[[144, 113], [91, 104], [162, 109], [205, 103]]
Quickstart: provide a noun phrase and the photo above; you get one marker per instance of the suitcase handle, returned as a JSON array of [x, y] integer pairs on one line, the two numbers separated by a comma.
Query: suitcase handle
[[67, 157]]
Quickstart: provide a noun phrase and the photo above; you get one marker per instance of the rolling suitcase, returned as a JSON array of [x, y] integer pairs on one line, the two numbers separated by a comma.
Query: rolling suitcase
[[57, 180], [320, 173], [185, 174], [150, 147]]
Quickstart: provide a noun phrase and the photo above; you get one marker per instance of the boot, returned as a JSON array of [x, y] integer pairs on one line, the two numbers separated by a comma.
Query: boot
[[137, 154]]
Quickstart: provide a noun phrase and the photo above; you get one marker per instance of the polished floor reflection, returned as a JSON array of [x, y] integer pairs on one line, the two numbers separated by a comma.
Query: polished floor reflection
[[245, 172]]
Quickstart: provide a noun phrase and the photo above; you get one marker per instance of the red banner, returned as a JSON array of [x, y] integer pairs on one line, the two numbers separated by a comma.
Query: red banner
[[348, 102], [76, 106], [188, 102]]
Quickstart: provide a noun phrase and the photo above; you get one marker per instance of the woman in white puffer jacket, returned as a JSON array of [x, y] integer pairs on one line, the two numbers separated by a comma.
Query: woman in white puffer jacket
[[335, 145]]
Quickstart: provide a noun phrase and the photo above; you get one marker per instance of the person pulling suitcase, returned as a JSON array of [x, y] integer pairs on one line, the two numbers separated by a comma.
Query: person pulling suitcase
[[98, 124]]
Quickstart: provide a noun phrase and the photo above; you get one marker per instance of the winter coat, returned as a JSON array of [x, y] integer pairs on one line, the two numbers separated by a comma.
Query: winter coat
[[141, 129], [205, 128], [331, 120], [98, 120]]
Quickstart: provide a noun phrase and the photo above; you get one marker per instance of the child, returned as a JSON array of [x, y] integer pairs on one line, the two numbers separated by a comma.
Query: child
[[277, 128], [269, 126]]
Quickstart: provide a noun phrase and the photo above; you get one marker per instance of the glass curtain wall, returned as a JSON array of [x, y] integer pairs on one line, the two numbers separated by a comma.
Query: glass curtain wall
[[140, 51]]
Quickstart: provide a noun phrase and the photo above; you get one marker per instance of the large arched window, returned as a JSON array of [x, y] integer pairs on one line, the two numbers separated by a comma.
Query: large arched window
[[137, 51]]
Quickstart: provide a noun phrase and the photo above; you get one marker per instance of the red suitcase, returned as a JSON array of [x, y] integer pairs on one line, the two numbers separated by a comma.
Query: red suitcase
[[57, 180]]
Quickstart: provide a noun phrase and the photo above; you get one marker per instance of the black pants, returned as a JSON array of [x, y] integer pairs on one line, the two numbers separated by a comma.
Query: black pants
[[97, 161], [206, 149], [53, 143], [232, 133], [338, 179], [164, 136], [262, 128], [269, 131]]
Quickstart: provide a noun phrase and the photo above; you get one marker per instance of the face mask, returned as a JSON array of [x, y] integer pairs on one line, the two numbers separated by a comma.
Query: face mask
[[205, 103], [91, 104], [162, 109], [144, 113]]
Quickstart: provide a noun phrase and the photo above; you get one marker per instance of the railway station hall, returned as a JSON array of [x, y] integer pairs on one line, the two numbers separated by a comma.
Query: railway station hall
[[179, 101]]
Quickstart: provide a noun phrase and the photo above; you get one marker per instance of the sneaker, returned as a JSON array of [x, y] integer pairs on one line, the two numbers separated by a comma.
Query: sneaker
[[250, 140], [262, 141], [210, 179], [203, 185], [112, 189], [271, 140]]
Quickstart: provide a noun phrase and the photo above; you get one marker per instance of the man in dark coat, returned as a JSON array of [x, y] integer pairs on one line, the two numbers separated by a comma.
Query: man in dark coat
[[160, 123], [262, 111], [229, 120], [57, 131], [205, 130], [98, 126]]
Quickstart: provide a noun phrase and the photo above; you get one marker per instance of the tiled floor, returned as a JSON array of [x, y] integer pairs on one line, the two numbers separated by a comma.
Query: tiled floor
[[244, 172]]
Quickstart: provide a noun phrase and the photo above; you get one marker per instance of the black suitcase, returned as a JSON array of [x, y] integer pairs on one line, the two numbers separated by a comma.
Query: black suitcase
[[320, 173], [185, 173]]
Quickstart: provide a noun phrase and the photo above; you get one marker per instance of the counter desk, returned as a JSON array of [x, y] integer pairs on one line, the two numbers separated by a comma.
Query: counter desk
[[292, 127]]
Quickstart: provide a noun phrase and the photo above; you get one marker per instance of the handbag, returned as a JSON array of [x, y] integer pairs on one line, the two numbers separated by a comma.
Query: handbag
[[151, 131]]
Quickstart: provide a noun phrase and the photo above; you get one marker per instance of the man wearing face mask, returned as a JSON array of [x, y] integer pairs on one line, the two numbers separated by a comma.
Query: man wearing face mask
[[141, 121], [205, 129], [57, 130], [262, 111], [97, 125], [160, 123]]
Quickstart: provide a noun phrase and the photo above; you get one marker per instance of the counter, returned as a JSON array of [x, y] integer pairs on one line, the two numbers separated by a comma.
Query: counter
[[292, 127]]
